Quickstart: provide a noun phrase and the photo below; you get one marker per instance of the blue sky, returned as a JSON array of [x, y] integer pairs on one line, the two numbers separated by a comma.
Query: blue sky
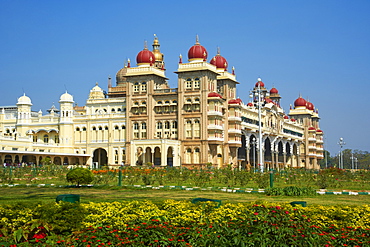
[[319, 49]]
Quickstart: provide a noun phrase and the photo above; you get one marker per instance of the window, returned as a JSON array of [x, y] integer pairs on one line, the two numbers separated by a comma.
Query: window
[[77, 129], [94, 128], [143, 126], [106, 128], [159, 125], [116, 127], [35, 138], [189, 83], [167, 125], [143, 135], [46, 139], [196, 128], [100, 128], [136, 135], [136, 126], [84, 129], [136, 87], [167, 102], [143, 86], [188, 129], [159, 134], [174, 125], [56, 138], [196, 83]]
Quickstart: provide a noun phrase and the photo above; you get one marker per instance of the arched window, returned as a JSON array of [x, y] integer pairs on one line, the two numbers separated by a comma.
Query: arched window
[[196, 128], [136, 87], [196, 155], [123, 127], [46, 139], [143, 126], [167, 125], [189, 83], [116, 127], [100, 128], [188, 129], [143, 86], [84, 129], [136, 126], [113, 110], [188, 156], [159, 125], [77, 129], [94, 128], [196, 83], [106, 128], [174, 125]]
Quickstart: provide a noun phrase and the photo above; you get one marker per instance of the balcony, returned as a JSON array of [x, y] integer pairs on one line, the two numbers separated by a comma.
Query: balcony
[[214, 113], [233, 118], [234, 131], [312, 147], [215, 127]]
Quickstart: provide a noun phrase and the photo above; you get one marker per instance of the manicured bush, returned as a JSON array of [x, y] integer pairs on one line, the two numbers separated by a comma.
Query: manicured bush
[[80, 176]]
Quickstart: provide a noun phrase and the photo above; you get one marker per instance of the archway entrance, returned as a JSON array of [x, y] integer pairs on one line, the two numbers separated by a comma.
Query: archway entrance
[[170, 156], [100, 158], [157, 156]]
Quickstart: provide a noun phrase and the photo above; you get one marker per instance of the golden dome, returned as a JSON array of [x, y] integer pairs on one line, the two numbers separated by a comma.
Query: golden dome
[[156, 50]]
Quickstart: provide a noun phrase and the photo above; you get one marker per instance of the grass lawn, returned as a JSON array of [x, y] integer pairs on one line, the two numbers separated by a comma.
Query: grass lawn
[[44, 195]]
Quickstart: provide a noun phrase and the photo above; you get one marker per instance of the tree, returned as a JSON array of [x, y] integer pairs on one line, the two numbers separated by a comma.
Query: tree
[[80, 176]]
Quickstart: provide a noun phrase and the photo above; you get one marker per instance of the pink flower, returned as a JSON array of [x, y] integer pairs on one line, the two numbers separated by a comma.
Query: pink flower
[[255, 213]]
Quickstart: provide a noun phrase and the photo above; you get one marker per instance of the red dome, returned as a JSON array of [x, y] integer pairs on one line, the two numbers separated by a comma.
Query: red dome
[[145, 56], [292, 119], [311, 128], [219, 61], [197, 52], [235, 101], [300, 102], [286, 117], [310, 106], [214, 94], [268, 100], [250, 104], [259, 81], [274, 91], [320, 131]]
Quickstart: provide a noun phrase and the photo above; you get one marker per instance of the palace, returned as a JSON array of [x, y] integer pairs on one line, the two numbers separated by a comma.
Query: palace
[[142, 121]]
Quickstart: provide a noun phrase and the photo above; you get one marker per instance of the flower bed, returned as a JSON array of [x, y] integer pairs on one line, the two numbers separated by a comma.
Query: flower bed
[[182, 223]]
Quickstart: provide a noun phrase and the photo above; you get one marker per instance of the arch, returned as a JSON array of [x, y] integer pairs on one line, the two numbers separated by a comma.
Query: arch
[[8, 159], [280, 152], [268, 155], [65, 161], [46, 139], [148, 155], [196, 155], [16, 159], [157, 156], [100, 157], [170, 156], [57, 161], [188, 156]]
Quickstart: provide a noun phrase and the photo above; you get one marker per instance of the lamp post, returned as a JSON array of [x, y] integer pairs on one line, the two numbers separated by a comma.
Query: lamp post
[[254, 143], [352, 161], [257, 92], [341, 143]]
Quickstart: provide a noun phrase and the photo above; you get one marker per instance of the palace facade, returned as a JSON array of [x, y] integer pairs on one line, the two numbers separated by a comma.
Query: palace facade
[[140, 120]]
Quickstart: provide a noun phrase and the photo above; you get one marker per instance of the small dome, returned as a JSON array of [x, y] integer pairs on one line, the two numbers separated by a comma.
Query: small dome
[[250, 104], [274, 91], [96, 92], [310, 106], [145, 57], [319, 131], [214, 94], [66, 97], [235, 101], [300, 102], [24, 100], [260, 83], [311, 129], [197, 52], [219, 61], [286, 117], [293, 120]]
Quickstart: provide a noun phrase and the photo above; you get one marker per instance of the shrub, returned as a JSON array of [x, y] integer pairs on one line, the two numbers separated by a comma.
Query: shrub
[[79, 176]]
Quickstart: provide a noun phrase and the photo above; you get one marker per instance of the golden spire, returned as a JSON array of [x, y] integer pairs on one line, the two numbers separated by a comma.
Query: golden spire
[[197, 40]]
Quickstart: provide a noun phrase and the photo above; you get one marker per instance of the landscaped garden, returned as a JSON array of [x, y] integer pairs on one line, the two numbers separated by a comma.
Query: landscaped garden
[[154, 207]]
